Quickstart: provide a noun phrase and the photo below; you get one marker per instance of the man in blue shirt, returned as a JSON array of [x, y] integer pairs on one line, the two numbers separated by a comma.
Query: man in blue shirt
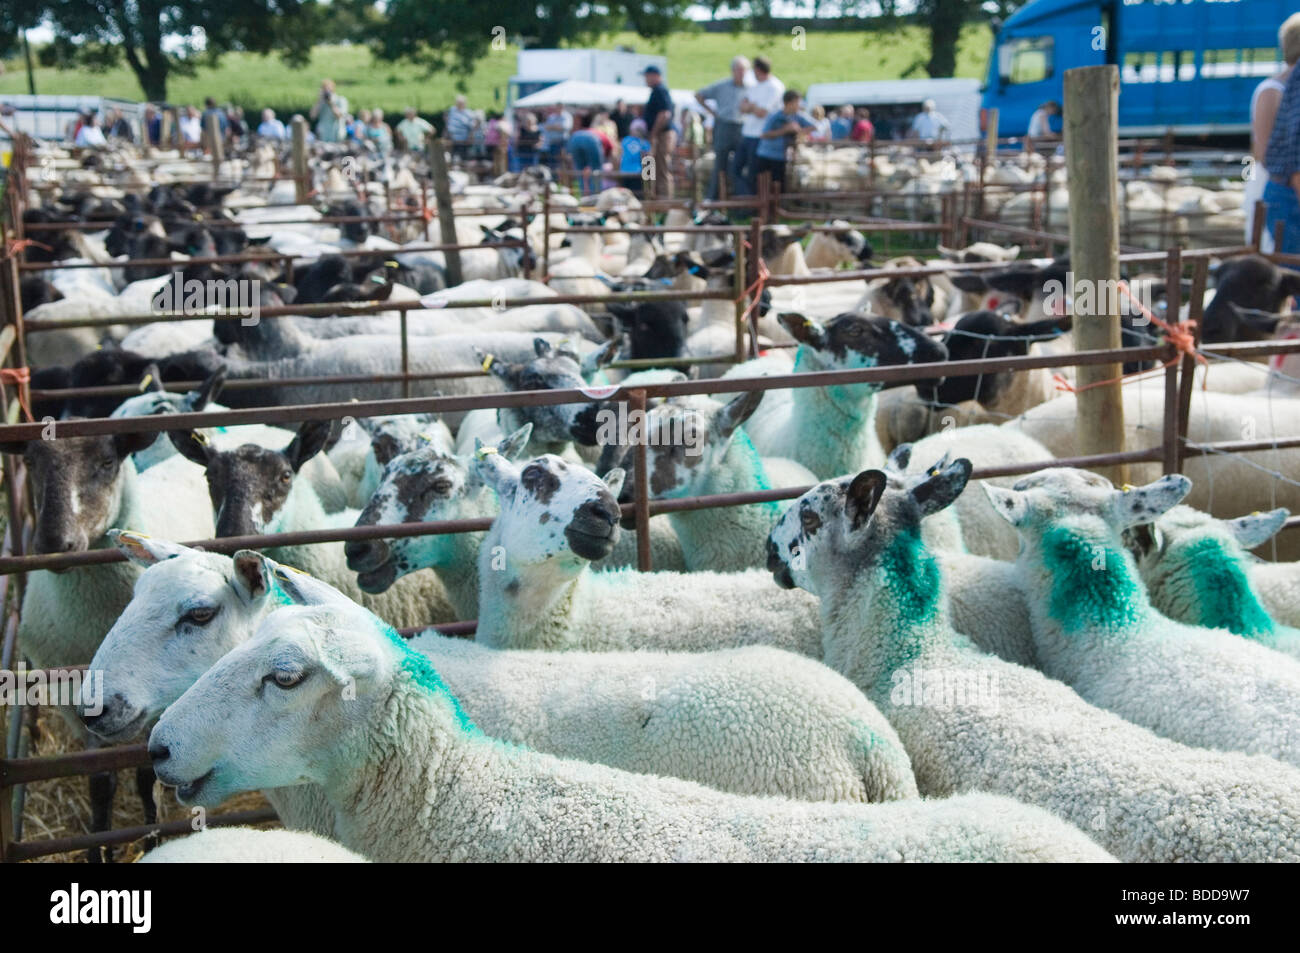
[[780, 132], [1282, 162], [658, 115], [842, 124]]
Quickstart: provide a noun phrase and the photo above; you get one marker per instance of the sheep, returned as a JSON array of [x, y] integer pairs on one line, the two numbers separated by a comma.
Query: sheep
[[1196, 570], [911, 300], [254, 491], [1223, 485], [845, 246], [501, 802], [363, 450], [1278, 585], [535, 592], [831, 430], [156, 400], [1095, 629], [247, 845], [775, 724], [973, 721], [699, 449], [1251, 282]]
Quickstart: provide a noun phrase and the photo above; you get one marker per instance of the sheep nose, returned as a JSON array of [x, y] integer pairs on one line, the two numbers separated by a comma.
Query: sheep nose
[[364, 554], [158, 752]]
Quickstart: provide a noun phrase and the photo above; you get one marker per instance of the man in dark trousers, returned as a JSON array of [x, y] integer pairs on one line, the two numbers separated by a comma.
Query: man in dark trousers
[[658, 117]]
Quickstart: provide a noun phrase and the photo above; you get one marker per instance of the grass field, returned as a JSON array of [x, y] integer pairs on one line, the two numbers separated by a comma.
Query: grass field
[[693, 60]]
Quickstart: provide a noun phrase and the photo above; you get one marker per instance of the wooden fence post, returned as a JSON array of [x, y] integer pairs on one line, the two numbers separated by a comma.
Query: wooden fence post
[[1091, 155], [301, 185], [446, 218], [212, 133]]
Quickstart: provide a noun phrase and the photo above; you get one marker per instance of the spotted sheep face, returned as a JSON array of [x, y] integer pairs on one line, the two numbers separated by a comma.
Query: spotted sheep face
[[856, 341], [1042, 499], [78, 485], [252, 487], [553, 510], [422, 485], [1184, 527], [189, 608], [553, 368], [828, 535]]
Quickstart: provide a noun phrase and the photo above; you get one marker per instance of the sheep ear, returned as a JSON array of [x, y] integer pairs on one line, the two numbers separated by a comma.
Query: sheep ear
[[192, 445], [1143, 539], [491, 467], [490, 365], [1014, 251], [899, 458], [863, 496], [145, 550], [303, 588], [598, 358], [252, 579], [969, 281], [804, 330], [943, 484], [1011, 505], [736, 413], [1255, 529], [541, 347], [128, 443], [614, 480], [948, 253], [513, 444], [151, 379], [309, 441], [209, 389], [1142, 504]]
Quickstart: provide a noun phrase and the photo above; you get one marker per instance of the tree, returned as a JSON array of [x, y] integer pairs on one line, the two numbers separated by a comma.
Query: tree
[[451, 35], [95, 34]]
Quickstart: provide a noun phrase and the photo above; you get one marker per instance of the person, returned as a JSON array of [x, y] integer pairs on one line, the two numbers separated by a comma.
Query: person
[[90, 135], [585, 150], [760, 101], [556, 129], [929, 124], [236, 126], [496, 139], [725, 95], [780, 131], [412, 131], [527, 139], [622, 119], [663, 134], [378, 133], [270, 127], [460, 128], [118, 127], [863, 130], [842, 124], [191, 128], [632, 148], [330, 111], [1282, 163], [821, 125], [210, 108], [1040, 124], [152, 125], [1263, 112]]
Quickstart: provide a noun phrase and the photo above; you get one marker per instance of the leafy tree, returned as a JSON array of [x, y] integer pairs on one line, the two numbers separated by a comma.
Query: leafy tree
[[96, 34]]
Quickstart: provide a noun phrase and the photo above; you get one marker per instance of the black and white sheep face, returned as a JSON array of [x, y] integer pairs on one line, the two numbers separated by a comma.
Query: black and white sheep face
[[252, 488], [856, 341], [827, 536], [1183, 526], [987, 334], [553, 368], [78, 486], [1048, 496], [551, 510], [653, 329], [844, 247], [188, 609], [1248, 290], [272, 711]]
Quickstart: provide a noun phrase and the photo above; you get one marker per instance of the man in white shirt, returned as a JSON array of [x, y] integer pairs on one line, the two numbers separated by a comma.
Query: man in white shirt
[[1040, 124], [929, 123], [90, 135], [760, 101], [270, 127]]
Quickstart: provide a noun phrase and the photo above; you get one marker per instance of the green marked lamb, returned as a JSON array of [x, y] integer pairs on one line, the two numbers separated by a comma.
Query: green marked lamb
[[1096, 630], [327, 694], [971, 721]]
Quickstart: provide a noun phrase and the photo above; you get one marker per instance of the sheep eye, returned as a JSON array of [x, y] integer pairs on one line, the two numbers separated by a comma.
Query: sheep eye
[[201, 615], [286, 477], [285, 679]]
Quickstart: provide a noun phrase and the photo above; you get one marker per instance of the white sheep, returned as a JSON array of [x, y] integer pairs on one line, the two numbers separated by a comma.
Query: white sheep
[[1095, 629], [411, 778], [247, 845], [535, 590], [750, 721], [1197, 570], [1278, 585], [973, 721], [364, 449], [255, 490]]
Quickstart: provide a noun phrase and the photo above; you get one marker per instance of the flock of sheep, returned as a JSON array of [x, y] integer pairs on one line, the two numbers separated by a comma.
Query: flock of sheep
[[895, 666]]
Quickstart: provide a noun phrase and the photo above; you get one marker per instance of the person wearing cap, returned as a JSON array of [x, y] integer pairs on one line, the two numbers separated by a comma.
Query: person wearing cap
[[760, 101], [658, 117], [725, 95]]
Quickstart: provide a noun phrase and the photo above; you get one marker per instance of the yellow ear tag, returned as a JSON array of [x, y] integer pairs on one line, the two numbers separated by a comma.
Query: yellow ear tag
[[144, 384], [280, 571], [1127, 487], [391, 264], [199, 437], [483, 453], [487, 362]]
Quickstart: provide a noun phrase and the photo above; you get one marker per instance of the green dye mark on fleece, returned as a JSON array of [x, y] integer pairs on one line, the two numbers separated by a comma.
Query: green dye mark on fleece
[[1092, 585], [1223, 594], [752, 464], [422, 671], [911, 580]]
